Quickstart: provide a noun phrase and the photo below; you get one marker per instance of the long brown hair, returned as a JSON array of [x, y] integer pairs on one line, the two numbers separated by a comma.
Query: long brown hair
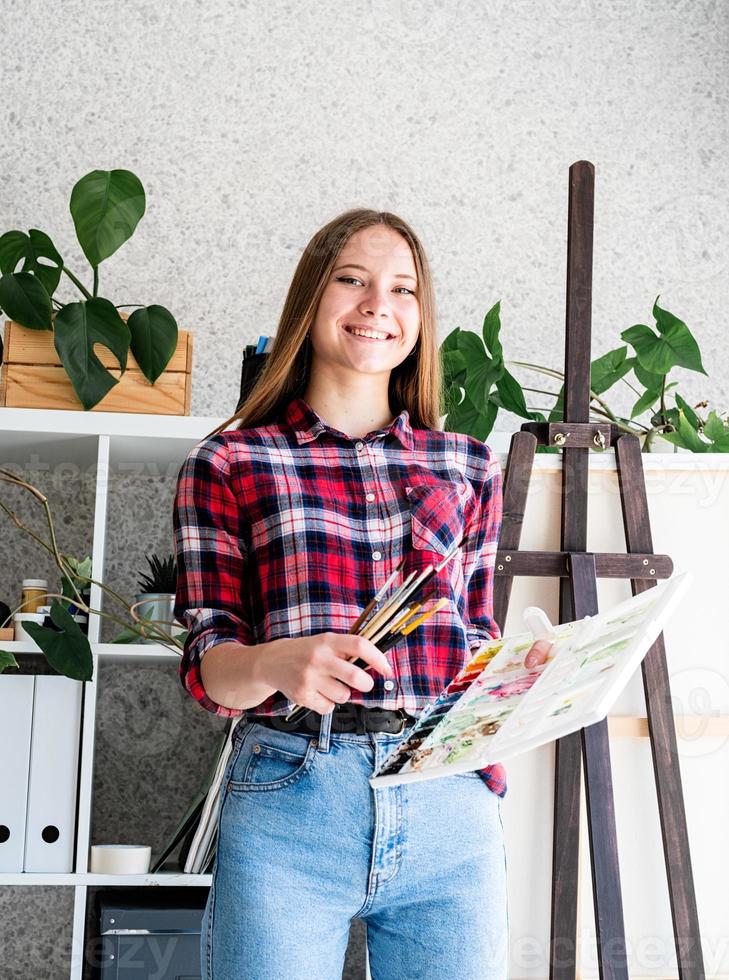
[[415, 384]]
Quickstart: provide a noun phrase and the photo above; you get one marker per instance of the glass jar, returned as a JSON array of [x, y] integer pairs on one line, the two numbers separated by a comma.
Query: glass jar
[[34, 594]]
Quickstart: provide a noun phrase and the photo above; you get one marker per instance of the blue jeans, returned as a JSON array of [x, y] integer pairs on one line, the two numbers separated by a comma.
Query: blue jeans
[[305, 843]]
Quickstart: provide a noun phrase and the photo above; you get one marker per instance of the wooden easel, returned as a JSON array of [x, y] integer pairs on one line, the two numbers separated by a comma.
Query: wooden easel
[[578, 571]]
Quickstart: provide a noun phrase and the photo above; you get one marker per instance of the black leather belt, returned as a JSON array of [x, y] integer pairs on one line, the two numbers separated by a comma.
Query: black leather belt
[[347, 717]]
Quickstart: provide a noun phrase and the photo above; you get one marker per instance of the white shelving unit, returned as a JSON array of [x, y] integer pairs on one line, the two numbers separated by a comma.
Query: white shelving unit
[[108, 442]]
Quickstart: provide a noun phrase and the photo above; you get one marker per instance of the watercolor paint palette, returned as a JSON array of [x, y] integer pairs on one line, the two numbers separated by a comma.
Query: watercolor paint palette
[[496, 707]]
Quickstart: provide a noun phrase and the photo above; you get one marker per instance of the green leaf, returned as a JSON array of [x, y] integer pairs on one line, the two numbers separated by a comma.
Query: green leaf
[[679, 337], [690, 414], [482, 371], [480, 379], [67, 651], [557, 413], [106, 206], [491, 330], [647, 400], [512, 397], [672, 346], [7, 660], [716, 429], [686, 436], [469, 419], [127, 635], [454, 367], [471, 345], [649, 380], [653, 353], [611, 367], [25, 300], [12, 249], [78, 327], [451, 341], [154, 339], [16, 245]]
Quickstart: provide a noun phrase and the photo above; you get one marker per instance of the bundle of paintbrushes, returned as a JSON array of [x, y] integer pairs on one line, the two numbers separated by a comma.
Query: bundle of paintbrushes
[[386, 625]]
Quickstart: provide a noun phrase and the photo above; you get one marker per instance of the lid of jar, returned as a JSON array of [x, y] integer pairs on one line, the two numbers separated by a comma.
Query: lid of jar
[[35, 583], [31, 617]]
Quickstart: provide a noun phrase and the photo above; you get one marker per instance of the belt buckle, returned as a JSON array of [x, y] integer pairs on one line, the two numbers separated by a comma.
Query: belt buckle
[[403, 716]]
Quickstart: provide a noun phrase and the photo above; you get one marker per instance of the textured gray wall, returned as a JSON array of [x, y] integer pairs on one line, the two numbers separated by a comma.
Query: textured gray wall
[[251, 125]]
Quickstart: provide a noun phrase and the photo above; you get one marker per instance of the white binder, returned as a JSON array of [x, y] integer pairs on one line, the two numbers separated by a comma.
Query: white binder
[[51, 820], [16, 716]]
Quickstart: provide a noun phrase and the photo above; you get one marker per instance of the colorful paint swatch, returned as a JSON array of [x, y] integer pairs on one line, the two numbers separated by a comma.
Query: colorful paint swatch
[[496, 707]]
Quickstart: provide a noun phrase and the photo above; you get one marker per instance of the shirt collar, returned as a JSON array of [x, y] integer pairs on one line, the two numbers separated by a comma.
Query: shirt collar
[[307, 425]]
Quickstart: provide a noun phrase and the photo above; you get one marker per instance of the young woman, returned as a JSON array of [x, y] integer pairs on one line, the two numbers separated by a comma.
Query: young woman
[[285, 526]]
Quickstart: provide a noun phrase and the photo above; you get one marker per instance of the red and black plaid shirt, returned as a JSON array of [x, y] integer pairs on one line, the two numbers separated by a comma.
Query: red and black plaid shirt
[[289, 529]]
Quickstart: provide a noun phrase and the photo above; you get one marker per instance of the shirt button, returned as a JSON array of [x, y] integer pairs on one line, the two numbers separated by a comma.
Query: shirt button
[[388, 685], [377, 555], [370, 496], [359, 446]]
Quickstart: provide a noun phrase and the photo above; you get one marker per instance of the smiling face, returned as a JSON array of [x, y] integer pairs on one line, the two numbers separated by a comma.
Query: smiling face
[[372, 289]]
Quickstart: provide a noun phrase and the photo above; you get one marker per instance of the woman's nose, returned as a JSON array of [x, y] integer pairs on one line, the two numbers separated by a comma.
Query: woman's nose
[[376, 299]]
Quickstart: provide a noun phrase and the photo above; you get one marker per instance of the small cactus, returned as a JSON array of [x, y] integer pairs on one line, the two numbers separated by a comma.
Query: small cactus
[[163, 577]]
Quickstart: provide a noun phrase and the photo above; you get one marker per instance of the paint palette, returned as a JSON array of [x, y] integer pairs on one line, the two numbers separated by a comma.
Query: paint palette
[[496, 707]]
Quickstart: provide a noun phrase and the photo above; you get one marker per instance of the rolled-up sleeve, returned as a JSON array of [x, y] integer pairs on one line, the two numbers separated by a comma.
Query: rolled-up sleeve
[[479, 556], [211, 563]]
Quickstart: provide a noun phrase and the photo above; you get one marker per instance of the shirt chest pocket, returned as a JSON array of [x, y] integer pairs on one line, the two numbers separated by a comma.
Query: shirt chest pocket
[[439, 514]]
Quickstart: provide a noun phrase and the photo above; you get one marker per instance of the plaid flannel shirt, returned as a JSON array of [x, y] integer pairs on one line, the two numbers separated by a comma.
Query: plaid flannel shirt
[[288, 530]]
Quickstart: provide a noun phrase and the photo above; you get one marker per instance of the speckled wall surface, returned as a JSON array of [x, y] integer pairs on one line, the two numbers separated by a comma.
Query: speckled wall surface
[[250, 125]]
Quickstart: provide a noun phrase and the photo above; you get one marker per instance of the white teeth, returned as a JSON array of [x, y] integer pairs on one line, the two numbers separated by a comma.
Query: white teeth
[[367, 333]]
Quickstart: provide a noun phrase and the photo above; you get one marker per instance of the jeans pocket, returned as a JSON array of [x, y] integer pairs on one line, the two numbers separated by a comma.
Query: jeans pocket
[[269, 760]]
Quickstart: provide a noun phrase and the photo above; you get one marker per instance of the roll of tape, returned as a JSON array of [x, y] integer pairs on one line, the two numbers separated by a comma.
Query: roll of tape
[[120, 859]]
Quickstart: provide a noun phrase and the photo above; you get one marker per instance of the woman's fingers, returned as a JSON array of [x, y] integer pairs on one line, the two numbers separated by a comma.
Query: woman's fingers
[[538, 653]]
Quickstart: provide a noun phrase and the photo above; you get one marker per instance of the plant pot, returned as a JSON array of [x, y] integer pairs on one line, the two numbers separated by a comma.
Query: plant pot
[[32, 376], [157, 607]]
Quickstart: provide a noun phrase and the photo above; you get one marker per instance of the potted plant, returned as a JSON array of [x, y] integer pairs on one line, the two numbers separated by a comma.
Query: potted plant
[[478, 384], [65, 646], [155, 602], [106, 206]]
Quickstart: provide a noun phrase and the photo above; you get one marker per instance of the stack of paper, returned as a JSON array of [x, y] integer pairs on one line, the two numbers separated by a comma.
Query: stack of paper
[[198, 826]]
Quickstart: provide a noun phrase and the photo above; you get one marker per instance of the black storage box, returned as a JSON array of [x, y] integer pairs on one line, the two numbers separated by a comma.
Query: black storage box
[[141, 940]]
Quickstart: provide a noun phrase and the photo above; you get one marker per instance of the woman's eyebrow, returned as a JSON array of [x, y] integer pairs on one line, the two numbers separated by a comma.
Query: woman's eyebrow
[[352, 265]]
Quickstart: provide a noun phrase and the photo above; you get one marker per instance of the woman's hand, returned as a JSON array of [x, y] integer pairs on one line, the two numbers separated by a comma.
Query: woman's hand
[[538, 653], [313, 671]]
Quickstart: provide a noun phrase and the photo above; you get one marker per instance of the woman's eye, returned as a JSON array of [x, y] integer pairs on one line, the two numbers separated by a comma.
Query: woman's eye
[[354, 279]]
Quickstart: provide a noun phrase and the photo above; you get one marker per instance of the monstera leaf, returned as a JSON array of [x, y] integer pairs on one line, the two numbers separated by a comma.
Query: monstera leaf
[[106, 207], [154, 339], [78, 327], [16, 246], [25, 300]]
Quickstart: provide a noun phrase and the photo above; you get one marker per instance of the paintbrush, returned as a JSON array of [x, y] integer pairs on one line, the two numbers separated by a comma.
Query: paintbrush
[[396, 634], [389, 611]]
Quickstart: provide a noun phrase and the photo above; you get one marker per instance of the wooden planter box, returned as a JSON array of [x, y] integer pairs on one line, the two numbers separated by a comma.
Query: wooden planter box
[[32, 376]]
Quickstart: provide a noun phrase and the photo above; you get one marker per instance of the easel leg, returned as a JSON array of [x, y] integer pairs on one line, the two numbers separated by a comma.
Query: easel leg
[[565, 857], [606, 887], [661, 727]]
